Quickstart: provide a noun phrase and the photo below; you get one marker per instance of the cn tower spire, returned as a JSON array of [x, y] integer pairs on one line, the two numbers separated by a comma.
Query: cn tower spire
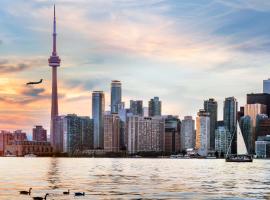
[[54, 63]]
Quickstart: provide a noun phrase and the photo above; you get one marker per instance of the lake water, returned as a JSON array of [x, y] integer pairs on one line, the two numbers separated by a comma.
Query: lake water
[[106, 178]]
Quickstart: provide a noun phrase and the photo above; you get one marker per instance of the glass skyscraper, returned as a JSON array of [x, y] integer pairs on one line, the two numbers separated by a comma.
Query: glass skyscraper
[[230, 118], [154, 107], [247, 131], [98, 108], [116, 96], [211, 107], [136, 107]]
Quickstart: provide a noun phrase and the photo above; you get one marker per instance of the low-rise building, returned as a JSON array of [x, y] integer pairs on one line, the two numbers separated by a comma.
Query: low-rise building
[[262, 147]]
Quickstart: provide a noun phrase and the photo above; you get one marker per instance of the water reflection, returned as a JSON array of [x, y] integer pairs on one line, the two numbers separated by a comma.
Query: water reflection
[[53, 174]]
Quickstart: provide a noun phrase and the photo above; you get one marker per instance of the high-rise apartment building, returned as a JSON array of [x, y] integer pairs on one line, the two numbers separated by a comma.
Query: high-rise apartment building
[[222, 140], [98, 108], [203, 132], [39, 134], [188, 135], [154, 107], [116, 96], [112, 128], [145, 134], [211, 107]]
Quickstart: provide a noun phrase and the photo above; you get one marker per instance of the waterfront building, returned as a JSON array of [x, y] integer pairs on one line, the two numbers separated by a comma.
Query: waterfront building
[[154, 107], [112, 128], [145, 134], [116, 96], [98, 108], [230, 118], [266, 86], [39, 134], [136, 107], [211, 107], [253, 110], [222, 140], [203, 132], [188, 135], [260, 98], [59, 130], [262, 125], [54, 63], [87, 135], [172, 134], [262, 147], [248, 132]]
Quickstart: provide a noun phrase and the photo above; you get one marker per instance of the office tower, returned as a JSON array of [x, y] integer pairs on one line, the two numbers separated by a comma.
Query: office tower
[[145, 134], [261, 98], [136, 107], [98, 107], [222, 140], [112, 133], [39, 134], [203, 132], [240, 113], [230, 119], [145, 111], [188, 135], [116, 96], [172, 134], [248, 132], [262, 125], [262, 147], [266, 86], [253, 110], [87, 127], [154, 107], [211, 107], [54, 63]]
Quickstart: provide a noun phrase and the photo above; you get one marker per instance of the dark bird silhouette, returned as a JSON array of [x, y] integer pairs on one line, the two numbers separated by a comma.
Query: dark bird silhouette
[[77, 194], [34, 83], [66, 192], [41, 198], [26, 192]]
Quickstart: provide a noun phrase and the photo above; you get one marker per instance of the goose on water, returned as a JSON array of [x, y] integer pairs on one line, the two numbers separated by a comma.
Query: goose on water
[[26, 192], [66, 192], [79, 194], [41, 198]]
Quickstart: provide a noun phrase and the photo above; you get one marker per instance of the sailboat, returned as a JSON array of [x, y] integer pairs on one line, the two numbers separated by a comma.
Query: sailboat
[[242, 153]]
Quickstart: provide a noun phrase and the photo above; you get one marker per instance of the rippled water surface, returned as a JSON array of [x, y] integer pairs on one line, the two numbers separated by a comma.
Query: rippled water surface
[[105, 178]]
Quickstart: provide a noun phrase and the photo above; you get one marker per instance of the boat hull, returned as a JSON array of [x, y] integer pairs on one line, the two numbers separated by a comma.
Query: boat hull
[[239, 158]]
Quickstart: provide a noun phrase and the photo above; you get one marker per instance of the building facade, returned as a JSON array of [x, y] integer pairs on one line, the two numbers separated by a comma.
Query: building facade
[[116, 96], [253, 110], [145, 134], [112, 128], [188, 134], [98, 108], [248, 132], [39, 134], [261, 98], [154, 107], [203, 133], [222, 140], [136, 107], [266, 86], [211, 107], [262, 147], [172, 134]]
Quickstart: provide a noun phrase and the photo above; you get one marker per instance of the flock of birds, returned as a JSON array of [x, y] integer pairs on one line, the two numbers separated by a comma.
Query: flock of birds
[[24, 192]]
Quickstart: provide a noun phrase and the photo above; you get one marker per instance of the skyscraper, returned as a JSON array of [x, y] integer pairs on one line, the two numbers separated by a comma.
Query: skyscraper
[[154, 107], [230, 119], [211, 107], [111, 133], [98, 108], [136, 107], [248, 132], [172, 134], [266, 86], [116, 96], [261, 98], [203, 133], [222, 140], [54, 62], [188, 136], [39, 134]]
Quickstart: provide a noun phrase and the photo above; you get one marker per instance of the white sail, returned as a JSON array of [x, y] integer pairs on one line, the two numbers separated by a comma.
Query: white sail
[[241, 146]]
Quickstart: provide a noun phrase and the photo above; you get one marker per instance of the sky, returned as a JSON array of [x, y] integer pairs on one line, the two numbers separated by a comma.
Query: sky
[[183, 51]]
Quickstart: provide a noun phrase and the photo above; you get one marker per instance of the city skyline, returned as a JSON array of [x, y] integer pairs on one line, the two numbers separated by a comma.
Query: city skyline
[[182, 94]]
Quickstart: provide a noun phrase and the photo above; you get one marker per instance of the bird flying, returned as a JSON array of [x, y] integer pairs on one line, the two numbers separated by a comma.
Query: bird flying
[[33, 83]]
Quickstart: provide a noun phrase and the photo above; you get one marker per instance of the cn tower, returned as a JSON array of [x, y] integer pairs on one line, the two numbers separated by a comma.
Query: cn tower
[[54, 63]]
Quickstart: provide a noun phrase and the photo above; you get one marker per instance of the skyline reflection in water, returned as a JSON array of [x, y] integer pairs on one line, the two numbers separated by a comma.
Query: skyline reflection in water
[[106, 178]]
